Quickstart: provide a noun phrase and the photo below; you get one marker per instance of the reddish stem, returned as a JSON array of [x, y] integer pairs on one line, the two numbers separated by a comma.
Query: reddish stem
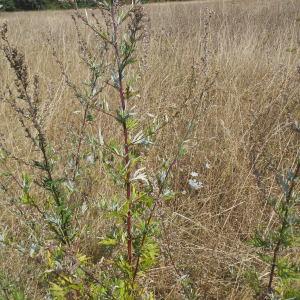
[[126, 142]]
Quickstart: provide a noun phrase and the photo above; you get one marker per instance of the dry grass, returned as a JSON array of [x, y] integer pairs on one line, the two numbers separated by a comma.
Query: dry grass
[[244, 131]]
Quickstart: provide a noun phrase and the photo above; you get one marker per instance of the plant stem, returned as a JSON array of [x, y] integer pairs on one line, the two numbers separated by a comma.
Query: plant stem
[[125, 134], [283, 228]]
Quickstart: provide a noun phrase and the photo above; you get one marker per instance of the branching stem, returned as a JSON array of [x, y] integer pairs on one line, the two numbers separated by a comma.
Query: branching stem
[[125, 134]]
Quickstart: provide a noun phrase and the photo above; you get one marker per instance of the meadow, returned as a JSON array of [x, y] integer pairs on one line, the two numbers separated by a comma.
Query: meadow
[[237, 64]]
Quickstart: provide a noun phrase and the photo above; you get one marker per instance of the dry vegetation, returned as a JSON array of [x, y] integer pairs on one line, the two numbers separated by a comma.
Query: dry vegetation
[[245, 132]]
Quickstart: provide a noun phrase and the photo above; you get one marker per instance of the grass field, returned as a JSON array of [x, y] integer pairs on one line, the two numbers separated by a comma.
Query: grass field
[[244, 134]]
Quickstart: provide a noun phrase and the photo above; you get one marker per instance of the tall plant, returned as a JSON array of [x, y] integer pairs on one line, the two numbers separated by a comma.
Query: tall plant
[[50, 184], [276, 245]]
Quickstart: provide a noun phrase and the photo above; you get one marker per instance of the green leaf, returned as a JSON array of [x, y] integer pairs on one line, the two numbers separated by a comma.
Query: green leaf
[[108, 242], [182, 151], [90, 118], [149, 255], [260, 241], [26, 199], [57, 291], [41, 165], [122, 16], [168, 194], [252, 277], [147, 200], [125, 267], [26, 182]]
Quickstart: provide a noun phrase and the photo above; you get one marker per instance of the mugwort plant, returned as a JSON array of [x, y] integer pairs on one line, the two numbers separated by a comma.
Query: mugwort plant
[[275, 246], [53, 183]]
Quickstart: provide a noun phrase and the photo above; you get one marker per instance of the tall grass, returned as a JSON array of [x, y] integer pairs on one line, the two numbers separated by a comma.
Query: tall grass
[[246, 133]]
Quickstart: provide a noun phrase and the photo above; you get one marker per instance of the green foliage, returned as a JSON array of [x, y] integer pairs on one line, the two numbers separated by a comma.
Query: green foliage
[[12, 5], [7, 5], [29, 4], [10, 290], [284, 276], [252, 278], [53, 181]]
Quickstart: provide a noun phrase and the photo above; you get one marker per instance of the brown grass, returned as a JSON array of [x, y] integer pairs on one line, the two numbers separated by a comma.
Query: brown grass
[[244, 131]]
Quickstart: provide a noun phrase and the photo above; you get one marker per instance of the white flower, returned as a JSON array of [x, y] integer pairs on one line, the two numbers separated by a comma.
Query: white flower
[[194, 174], [195, 185]]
